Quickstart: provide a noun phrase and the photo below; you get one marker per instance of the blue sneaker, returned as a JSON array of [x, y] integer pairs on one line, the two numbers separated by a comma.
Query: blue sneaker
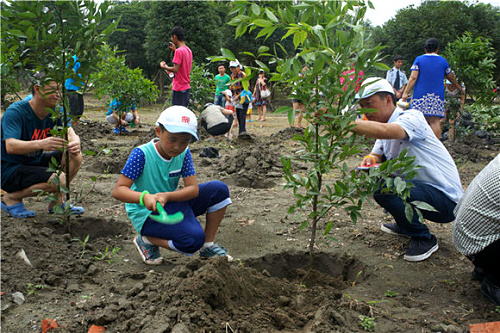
[[74, 210], [123, 130], [150, 254], [116, 130], [215, 251]]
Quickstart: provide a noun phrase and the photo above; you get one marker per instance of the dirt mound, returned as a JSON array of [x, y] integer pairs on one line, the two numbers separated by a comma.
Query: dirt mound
[[473, 149], [287, 133], [270, 293], [252, 163], [111, 156]]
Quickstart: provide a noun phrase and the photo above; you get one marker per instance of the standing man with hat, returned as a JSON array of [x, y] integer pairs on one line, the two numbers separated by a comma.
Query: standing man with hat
[[183, 62], [437, 182]]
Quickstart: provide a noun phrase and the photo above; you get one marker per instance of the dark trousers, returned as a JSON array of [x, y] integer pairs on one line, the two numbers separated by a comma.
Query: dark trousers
[[421, 192], [488, 259], [219, 129], [181, 97], [75, 103], [241, 114]]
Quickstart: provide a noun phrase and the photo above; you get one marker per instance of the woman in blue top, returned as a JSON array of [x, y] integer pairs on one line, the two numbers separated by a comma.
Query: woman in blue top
[[427, 76]]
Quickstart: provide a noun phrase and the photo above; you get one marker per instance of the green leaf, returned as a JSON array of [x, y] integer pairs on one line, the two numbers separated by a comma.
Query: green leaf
[[409, 212], [271, 16], [262, 23], [227, 53], [399, 184], [424, 206], [328, 228], [255, 9]]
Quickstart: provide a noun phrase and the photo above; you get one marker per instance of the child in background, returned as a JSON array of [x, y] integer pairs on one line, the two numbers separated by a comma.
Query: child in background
[[249, 113], [121, 119], [152, 174], [228, 95]]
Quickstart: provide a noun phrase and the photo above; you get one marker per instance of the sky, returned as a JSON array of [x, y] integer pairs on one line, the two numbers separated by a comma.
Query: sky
[[385, 9]]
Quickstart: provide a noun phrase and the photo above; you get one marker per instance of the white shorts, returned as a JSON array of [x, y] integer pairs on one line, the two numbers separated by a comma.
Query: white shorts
[[129, 117]]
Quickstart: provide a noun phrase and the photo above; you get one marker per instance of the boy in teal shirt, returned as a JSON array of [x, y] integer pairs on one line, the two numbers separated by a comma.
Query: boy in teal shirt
[[156, 167]]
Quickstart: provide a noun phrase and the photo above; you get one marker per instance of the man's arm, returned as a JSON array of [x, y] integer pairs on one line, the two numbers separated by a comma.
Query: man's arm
[[410, 85], [173, 69], [21, 147], [453, 80], [374, 129]]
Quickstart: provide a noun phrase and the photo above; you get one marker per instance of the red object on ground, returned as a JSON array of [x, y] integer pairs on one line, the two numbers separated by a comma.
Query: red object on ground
[[96, 329], [48, 324], [493, 327]]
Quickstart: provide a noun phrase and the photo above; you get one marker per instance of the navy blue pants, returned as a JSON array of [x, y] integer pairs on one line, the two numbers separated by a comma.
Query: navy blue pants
[[241, 114], [188, 236], [421, 192]]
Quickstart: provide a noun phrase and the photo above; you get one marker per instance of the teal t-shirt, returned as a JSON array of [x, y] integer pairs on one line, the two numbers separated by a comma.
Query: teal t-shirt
[[222, 83], [158, 175]]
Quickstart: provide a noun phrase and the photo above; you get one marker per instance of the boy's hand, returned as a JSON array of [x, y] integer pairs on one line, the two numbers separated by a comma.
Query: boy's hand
[[151, 199], [149, 202]]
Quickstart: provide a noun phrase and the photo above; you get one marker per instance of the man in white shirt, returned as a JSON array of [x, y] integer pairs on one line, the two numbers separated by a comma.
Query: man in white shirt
[[437, 182], [396, 77]]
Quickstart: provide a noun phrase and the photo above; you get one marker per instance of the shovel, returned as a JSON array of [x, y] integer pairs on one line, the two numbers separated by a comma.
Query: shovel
[[164, 218]]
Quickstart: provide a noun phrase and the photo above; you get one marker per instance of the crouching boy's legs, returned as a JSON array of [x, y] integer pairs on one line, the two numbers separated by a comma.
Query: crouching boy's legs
[[187, 237]]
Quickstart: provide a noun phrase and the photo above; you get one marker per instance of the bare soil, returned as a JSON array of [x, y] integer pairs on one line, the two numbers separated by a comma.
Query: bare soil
[[273, 285]]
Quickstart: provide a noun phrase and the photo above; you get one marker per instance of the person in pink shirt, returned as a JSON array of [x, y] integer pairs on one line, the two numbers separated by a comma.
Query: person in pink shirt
[[183, 61]]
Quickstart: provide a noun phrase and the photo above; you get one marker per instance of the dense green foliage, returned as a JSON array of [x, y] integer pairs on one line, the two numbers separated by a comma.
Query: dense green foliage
[[201, 23], [406, 33], [113, 79], [486, 117], [474, 64], [202, 86], [131, 34]]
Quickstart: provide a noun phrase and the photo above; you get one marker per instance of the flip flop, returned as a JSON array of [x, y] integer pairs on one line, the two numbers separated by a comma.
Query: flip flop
[[18, 210], [75, 210]]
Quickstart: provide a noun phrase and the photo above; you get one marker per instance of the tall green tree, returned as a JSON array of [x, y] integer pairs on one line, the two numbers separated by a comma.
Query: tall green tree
[[329, 38], [200, 20], [406, 33], [115, 80], [131, 34]]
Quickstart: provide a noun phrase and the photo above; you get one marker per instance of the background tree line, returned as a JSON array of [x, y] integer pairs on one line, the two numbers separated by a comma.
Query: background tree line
[[149, 23], [144, 28]]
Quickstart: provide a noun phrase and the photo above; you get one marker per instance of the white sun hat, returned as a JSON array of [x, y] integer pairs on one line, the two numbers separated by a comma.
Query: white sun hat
[[179, 119]]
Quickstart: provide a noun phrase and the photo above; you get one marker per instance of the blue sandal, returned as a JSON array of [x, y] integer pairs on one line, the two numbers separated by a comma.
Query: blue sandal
[[75, 210], [18, 210]]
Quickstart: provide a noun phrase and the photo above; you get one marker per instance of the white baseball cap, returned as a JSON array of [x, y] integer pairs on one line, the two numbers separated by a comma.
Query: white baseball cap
[[374, 85], [179, 119], [234, 64]]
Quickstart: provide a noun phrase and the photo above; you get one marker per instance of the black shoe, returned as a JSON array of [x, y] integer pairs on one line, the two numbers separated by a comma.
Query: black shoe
[[421, 248], [490, 287], [479, 274], [393, 229]]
